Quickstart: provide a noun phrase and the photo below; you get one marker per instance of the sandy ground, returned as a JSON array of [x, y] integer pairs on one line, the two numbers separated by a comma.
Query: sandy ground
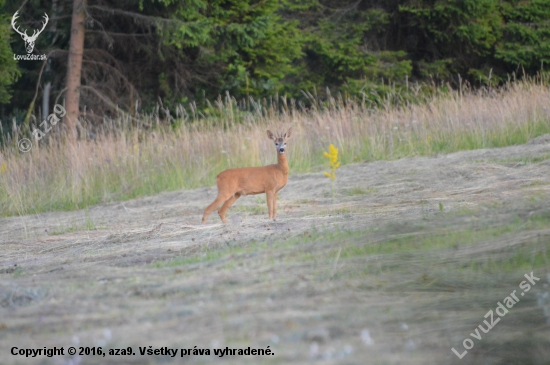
[[145, 273]]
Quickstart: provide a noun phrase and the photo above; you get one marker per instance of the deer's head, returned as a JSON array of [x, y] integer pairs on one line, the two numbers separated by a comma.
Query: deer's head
[[29, 40], [280, 141]]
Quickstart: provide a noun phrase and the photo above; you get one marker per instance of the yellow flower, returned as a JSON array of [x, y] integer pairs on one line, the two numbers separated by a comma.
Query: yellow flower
[[332, 156], [3, 168], [331, 175]]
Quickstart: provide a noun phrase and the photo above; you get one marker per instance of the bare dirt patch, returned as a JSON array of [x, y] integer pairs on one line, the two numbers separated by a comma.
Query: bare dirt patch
[[312, 285]]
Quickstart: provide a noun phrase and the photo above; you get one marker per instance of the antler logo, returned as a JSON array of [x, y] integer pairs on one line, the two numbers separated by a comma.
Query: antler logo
[[29, 40]]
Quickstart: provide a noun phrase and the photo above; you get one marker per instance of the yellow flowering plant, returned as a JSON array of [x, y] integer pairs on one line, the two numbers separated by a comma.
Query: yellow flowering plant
[[332, 156]]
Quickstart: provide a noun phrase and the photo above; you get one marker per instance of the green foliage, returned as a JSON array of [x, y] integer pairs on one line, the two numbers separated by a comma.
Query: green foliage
[[474, 37], [198, 49], [9, 72], [246, 40], [342, 46], [525, 33], [451, 36]]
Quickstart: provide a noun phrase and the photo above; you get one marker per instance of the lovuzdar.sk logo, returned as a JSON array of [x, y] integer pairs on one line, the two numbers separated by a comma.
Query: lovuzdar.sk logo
[[29, 40]]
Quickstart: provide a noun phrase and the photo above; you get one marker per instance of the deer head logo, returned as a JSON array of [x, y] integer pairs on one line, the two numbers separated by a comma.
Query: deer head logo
[[29, 40]]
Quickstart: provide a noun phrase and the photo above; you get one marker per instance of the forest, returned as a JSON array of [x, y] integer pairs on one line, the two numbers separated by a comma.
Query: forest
[[139, 55]]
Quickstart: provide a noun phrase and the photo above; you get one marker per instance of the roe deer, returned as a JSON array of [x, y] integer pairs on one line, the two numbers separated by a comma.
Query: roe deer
[[234, 183]]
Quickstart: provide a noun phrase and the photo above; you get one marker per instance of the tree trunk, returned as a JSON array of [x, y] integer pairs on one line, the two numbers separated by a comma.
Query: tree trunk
[[76, 49]]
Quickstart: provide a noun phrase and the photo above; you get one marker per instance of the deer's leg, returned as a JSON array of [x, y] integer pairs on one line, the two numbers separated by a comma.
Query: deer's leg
[[275, 205], [229, 202], [269, 197], [212, 207]]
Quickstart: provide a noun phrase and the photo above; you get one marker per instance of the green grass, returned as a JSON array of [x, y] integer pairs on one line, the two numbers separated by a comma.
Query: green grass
[[254, 209], [521, 160], [451, 238], [444, 235], [358, 191], [17, 272], [207, 256], [87, 225]]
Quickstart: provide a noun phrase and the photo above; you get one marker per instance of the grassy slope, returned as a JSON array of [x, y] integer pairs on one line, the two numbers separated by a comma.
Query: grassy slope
[[436, 277], [419, 287], [399, 268]]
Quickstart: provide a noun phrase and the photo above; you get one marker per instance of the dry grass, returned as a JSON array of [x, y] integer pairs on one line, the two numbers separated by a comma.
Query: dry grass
[[130, 161]]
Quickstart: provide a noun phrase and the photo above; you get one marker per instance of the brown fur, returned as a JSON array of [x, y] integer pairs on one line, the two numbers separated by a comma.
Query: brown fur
[[234, 183]]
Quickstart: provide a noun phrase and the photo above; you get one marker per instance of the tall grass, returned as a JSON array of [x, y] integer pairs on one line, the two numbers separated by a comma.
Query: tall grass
[[126, 161]]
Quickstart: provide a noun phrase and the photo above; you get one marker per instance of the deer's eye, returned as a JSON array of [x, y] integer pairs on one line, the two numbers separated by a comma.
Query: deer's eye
[[276, 144]]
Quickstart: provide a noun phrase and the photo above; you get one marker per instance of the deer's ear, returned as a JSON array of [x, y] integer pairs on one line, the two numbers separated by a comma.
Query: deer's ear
[[289, 133], [270, 135]]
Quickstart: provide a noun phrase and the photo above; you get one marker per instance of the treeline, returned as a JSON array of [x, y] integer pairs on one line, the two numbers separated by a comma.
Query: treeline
[[140, 54]]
